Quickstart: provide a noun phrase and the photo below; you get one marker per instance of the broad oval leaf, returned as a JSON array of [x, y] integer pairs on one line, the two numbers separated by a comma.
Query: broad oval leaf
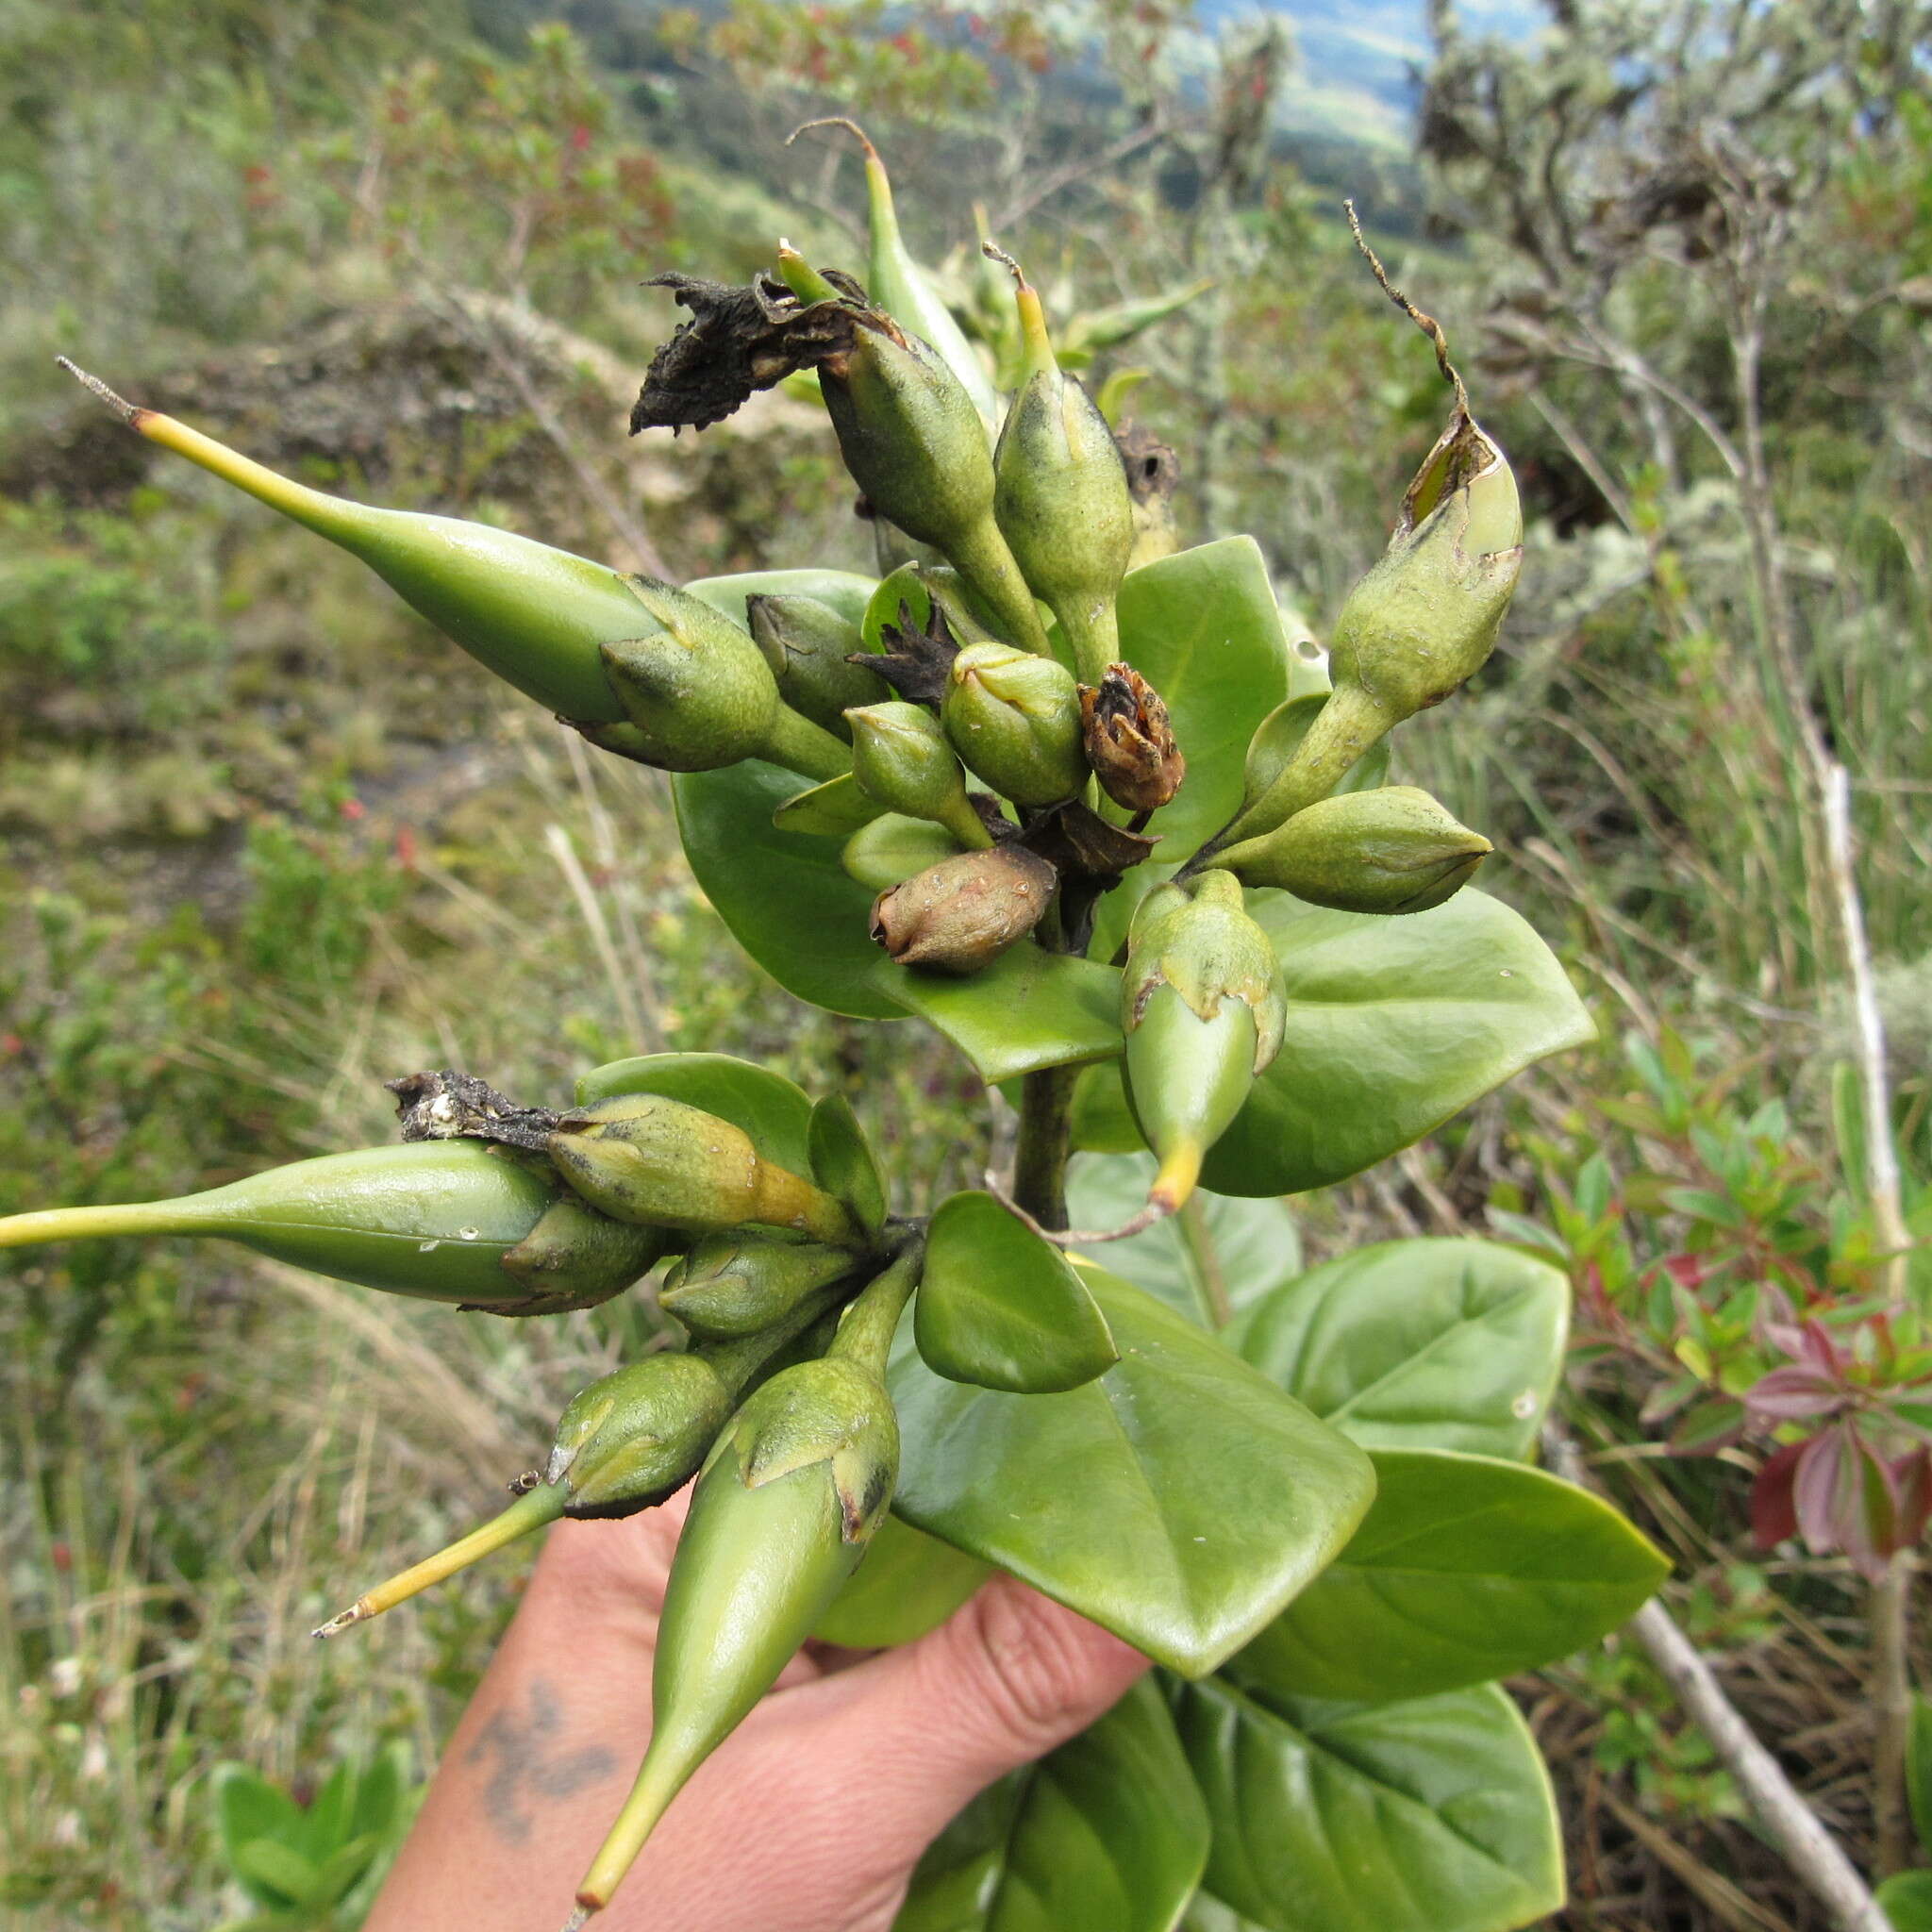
[[787, 899], [1180, 1501], [1419, 1344], [892, 848], [1907, 1899], [1028, 1010], [1107, 1834], [1394, 1026], [907, 1583], [775, 1112], [842, 1161], [835, 809], [1217, 1255], [846, 591], [1466, 1568], [1430, 1816], [1000, 1308]]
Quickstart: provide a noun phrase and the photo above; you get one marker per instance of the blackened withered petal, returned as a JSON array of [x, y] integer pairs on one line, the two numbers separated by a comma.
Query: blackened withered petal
[[736, 341], [1078, 841], [916, 663]]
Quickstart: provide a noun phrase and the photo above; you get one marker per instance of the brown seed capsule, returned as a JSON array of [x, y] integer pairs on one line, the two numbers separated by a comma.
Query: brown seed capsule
[[1129, 741], [961, 914]]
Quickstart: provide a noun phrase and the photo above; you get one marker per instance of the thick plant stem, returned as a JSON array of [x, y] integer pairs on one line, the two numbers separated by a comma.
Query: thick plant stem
[[1040, 1160]]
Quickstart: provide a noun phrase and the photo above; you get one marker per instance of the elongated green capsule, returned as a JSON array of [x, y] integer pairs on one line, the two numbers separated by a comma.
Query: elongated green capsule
[[1393, 850], [1061, 497], [623, 1444], [1015, 719], [534, 615], [901, 757], [641, 1158], [1204, 1009], [806, 643], [784, 1509], [1419, 626], [443, 1221], [736, 1284], [915, 444]]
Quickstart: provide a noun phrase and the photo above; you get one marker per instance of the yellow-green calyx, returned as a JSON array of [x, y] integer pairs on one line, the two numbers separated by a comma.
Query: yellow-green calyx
[[1419, 626], [806, 643], [1204, 1011], [736, 1284], [901, 757], [1391, 850], [642, 1158], [786, 1504], [447, 1221], [1061, 499], [534, 615], [959, 916], [1014, 717]]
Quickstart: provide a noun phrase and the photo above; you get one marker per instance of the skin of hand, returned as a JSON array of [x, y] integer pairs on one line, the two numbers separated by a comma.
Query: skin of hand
[[810, 1818]]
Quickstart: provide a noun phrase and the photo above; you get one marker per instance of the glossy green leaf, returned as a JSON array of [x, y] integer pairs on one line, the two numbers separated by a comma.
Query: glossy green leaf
[[1419, 1345], [1394, 1025], [771, 1109], [845, 591], [1103, 1121], [785, 898], [1203, 628], [1107, 1834], [906, 1584], [1430, 1816], [835, 809], [903, 587], [1027, 1011], [1466, 1568], [1216, 1253], [843, 1163], [1000, 1308], [1907, 1898], [1181, 1499], [893, 848]]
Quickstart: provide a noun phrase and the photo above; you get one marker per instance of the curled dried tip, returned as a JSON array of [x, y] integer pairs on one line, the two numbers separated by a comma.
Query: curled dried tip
[[358, 1612], [129, 412], [1085, 1236], [993, 252], [851, 126], [1426, 323]]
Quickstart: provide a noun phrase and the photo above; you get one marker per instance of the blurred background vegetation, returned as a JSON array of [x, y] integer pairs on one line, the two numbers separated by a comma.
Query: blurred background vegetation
[[265, 841]]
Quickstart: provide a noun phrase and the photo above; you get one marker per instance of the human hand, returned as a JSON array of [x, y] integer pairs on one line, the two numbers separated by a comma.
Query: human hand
[[810, 1818]]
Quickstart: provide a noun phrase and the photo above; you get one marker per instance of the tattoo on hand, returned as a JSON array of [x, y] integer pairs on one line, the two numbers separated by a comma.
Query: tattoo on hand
[[527, 1764]]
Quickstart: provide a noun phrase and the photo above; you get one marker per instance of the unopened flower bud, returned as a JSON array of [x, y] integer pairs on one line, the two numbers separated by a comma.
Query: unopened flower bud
[[640, 1157], [1014, 717], [1391, 850], [782, 1513], [1204, 1011], [960, 915], [900, 757], [1129, 741], [698, 695], [735, 1284], [1061, 497], [806, 643], [447, 1220], [630, 1439]]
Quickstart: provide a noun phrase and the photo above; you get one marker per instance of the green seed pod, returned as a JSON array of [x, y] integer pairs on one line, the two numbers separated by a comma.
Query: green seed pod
[[1015, 719], [960, 915], [630, 1439], [447, 1221], [915, 444], [698, 695], [1391, 850], [784, 1509], [1061, 499], [641, 1158], [900, 758], [1419, 626], [892, 849], [1204, 1009], [534, 615], [731, 1285], [806, 644]]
